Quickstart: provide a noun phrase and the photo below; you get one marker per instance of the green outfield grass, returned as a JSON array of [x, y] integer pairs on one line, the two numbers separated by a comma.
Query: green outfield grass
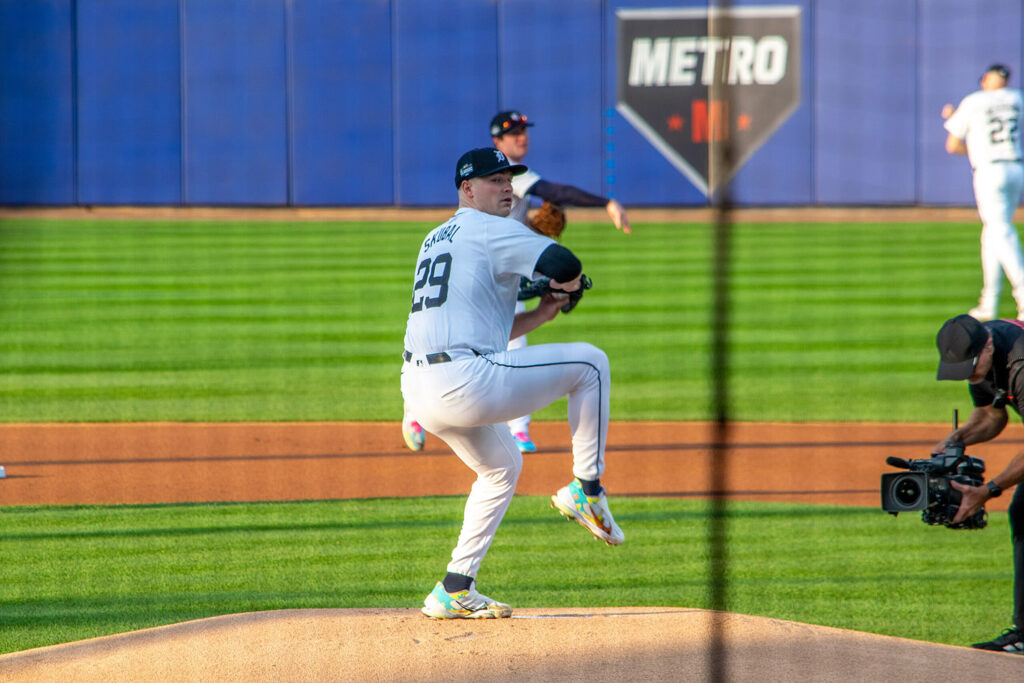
[[127, 320], [72, 573]]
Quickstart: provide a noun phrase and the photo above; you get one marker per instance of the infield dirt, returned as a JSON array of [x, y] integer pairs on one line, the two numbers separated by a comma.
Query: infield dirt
[[169, 462]]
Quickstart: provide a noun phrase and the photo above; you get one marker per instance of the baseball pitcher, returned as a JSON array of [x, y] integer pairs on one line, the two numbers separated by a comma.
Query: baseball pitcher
[[510, 134], [462, 382]]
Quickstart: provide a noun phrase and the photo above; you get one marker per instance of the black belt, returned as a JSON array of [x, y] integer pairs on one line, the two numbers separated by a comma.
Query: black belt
[[432, 358]]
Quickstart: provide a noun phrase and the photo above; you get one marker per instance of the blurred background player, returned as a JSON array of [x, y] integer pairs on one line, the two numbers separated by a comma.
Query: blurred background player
[[986, 127], [510, 134]]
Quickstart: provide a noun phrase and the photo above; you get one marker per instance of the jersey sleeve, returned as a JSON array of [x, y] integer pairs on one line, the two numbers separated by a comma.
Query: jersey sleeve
[[522, 183], [1015, 382], [982, 393], [957, 123], [566, 195], [1017, 389], [514, 248]]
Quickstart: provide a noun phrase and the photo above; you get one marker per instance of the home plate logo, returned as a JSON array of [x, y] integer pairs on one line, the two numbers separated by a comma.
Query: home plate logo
[[689, 79]]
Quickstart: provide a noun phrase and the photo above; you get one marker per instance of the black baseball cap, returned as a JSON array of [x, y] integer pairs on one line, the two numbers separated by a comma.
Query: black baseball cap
[[1000, 69], [508, 121], [960, 341], [483, 161]]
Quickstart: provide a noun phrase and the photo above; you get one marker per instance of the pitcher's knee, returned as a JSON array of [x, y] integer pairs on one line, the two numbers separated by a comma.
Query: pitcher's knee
[[504, 478], [594, 356], [506, 475]]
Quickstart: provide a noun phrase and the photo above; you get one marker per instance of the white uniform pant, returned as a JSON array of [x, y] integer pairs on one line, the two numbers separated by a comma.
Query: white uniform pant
[[467, 401], [516, 424], [997, 190], [521, 423]]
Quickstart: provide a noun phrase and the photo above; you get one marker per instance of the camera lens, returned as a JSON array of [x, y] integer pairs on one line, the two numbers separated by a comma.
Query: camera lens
[[907, 491]]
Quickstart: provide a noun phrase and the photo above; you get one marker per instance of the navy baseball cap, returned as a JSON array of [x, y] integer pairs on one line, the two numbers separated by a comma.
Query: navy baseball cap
[[960, 341], [483, 161], [508, 121]]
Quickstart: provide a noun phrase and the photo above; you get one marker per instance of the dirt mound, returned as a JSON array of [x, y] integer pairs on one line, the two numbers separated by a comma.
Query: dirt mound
[[608, 644]]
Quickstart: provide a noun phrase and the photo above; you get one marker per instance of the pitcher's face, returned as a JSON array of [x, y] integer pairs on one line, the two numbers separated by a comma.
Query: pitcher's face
[[491, 194]]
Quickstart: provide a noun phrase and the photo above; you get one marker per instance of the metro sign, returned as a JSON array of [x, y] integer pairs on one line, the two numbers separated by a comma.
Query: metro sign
[[689, 79]]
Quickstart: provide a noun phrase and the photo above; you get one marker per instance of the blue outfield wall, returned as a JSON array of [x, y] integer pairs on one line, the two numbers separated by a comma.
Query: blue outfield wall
[[341, 103], [865, 135], [446, 77], [549, 69], [129, 102], [37, 110], [235, 140], [369, 102]]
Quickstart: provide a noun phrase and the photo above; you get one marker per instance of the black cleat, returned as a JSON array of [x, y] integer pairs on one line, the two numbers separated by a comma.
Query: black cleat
[[1011, 641]]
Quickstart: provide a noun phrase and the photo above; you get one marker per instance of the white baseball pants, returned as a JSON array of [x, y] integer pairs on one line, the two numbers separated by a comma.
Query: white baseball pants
[[521, 423], [467, 401], [516, 424], [997, 190]]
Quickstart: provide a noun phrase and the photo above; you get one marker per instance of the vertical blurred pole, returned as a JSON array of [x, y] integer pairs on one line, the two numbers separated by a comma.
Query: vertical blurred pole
[[720, 155]]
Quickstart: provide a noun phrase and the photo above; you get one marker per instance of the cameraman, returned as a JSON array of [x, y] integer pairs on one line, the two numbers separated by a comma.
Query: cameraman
[[990, 356]]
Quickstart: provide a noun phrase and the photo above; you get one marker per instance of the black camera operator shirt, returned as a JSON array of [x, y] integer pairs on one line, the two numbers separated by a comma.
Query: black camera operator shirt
[[1004, 383]]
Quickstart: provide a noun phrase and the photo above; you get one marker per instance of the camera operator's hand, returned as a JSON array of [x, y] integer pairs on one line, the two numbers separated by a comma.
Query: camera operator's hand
[[973, 499], [985, 423]]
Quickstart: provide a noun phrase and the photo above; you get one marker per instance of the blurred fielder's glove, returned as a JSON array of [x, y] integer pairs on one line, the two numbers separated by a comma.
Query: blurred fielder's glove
[[549, 220], [529, 289]]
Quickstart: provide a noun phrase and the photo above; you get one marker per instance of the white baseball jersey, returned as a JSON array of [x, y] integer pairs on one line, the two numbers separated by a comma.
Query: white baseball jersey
[[989, 123], [466, 282], [464, 295], [520, 185]]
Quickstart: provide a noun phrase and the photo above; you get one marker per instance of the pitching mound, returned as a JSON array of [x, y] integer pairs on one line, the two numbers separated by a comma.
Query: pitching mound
[[608, 644]]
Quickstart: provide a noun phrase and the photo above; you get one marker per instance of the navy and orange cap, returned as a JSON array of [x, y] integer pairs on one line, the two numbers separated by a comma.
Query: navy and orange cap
[[507, 122]]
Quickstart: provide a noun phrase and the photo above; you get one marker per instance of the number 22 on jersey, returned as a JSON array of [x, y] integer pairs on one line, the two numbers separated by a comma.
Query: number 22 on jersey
[[1002, 130]]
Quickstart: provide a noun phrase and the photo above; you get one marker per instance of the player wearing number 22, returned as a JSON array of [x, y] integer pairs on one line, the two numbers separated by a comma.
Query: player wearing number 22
[[463, 383], [986, 127]]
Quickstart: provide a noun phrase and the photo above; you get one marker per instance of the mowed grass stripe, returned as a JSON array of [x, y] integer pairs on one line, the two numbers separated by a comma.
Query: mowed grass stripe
[[246, 304]]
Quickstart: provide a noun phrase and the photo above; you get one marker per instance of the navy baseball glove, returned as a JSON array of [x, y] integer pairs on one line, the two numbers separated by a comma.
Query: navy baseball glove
[[529, 289]]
